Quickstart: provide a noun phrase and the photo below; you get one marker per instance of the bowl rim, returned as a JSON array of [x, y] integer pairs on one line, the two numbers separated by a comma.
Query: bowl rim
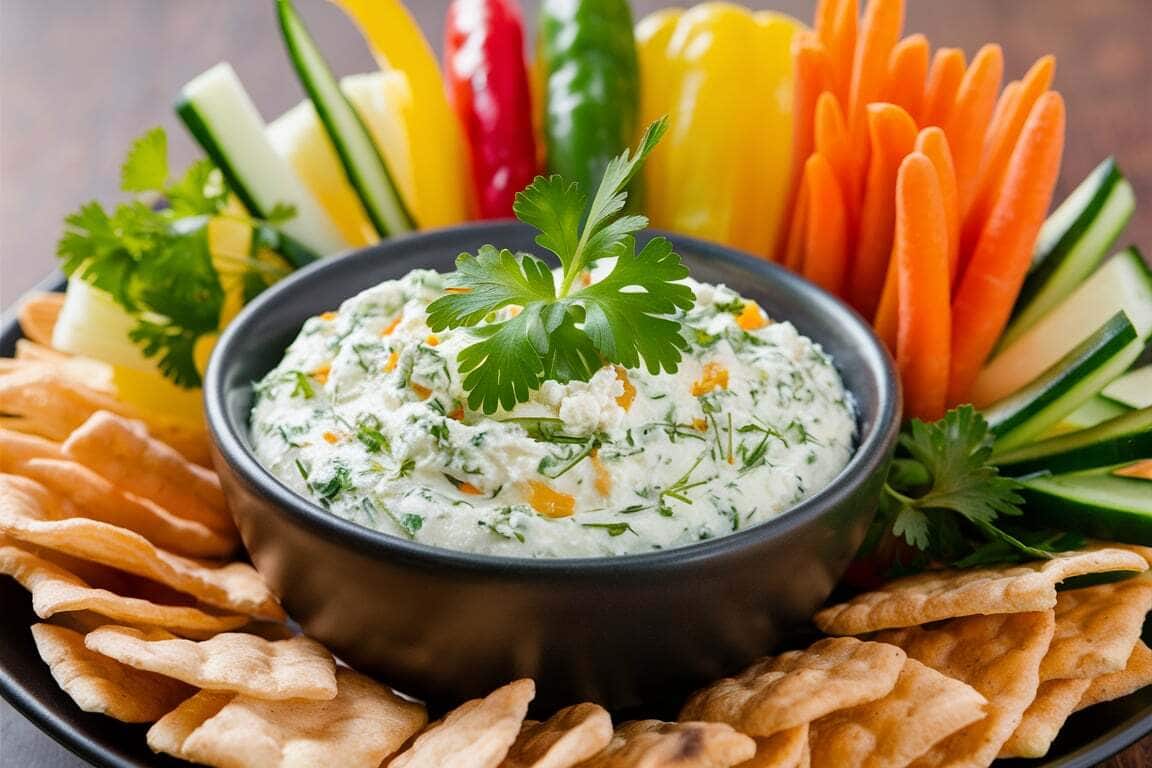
[[871, 452]]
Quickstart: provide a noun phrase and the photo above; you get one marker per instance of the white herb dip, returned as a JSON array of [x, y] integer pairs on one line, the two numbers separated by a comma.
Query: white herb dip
[[367, 417]]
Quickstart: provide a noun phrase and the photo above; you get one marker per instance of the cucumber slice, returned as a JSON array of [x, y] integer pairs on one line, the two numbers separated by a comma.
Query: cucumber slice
[[366, 170], [1094, 411], [1082, 373], [1072, 242], [1133, 389], [223, 120], [1123, 283], [1103, 506], [1125, 438]]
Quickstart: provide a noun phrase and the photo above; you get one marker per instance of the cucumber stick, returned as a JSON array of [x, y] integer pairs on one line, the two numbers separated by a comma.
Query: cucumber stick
[[365, 168], [1123, 283], [1099, 505], [1133, 389], [1126, 438], [222, 118], [1072, 242], [1094, 411], [1064, 387]]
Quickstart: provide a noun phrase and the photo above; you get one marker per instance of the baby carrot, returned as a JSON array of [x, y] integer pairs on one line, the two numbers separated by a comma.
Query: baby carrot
[[811, 77], [834, 143], [887, 313], [824, 20], [934, 145], [991, 282], [842, 49], [1007, 121], [879, 33], [907, 74], [892, 134], [920, 254], [967, 122], [826, 248], [944, 78]]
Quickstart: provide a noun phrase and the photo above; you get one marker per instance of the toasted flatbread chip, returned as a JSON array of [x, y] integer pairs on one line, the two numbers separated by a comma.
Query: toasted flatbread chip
[[298, 668], [17, 449], [477, 734], [938, 595], [783, 749], [657, 744], [568, 737], [1097, 628], [362, 726], [83, 370], [999, 656], [924, 708], [123, 451], [99, 684], [56, 590], [233, 587], [38, 314], [1055, 701], [1135, 675], [798, 687], [97, 498]]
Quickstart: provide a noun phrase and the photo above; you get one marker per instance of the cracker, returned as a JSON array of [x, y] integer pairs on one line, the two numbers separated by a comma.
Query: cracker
[[1135, 675], [83, 370], [924, 708], [38, 314], [233, 587], [783, 749], [362, 726], [477, 734], [99, 499], [999, 656], [1097, 628], [798, 687], [1055, 701], [122, 450], [18, 448], [298, 668], [99, 684], [938, 595], [656, 744], [570, 736], [56, 590]]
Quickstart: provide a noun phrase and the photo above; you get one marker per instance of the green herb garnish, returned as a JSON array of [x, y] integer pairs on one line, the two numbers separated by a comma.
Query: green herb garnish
[[567, 332], [613, 529]]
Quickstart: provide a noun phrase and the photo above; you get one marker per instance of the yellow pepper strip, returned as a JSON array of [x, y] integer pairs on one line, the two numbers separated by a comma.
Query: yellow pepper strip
[[659, 87], [713, 120], [436, 147]]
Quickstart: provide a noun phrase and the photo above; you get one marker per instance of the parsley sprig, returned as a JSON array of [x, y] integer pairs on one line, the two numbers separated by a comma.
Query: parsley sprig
[[566, 331], [947, 500], [151, 254]]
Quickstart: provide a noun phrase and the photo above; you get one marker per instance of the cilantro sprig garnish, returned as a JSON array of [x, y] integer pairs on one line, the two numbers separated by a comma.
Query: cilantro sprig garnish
[[566, 331], [948, 502], [152, 254]]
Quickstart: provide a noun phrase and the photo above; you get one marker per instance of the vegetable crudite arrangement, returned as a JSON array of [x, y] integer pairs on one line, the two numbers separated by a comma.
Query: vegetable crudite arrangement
[[909, 182]]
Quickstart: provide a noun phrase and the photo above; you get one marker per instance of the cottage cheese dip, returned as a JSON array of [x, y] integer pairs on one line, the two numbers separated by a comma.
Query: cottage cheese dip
[[366, 416]]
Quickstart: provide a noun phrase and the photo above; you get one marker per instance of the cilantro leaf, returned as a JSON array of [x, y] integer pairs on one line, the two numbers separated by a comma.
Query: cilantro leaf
[[564, 333], [145, 169], [200, 192]]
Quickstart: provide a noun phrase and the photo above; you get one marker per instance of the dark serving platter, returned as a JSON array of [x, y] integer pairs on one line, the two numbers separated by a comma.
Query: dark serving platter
[[1088, 738]]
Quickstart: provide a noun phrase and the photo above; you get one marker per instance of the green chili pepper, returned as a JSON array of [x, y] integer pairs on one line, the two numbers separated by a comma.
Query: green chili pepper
[[591, 85]]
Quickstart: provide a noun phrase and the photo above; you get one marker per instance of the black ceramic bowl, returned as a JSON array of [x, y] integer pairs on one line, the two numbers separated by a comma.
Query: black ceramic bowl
[[634, 633]]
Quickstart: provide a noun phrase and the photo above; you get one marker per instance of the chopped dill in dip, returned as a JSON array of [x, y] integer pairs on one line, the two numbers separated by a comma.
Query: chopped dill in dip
[[367, 416]]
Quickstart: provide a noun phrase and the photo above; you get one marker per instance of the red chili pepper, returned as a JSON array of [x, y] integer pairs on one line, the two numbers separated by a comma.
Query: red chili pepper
[[488, 87]]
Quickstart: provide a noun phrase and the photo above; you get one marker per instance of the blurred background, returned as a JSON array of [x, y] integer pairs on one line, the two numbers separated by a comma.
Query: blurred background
[[79, 79]]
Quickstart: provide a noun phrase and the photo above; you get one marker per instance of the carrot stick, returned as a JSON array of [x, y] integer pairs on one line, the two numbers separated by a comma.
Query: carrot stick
[[907, 74], [968, 121], [834, 143], [825, 248], [885, 322], [944, 78], [842, 50], [810, 78], [879, 33], [990, 284], [892, 134], [920, 253], [793, 256], [934, 145], [824, 21], [1007, 121]]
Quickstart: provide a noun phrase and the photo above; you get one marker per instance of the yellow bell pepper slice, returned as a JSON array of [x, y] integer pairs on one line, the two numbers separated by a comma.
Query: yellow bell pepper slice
[[435, 145], [658, 88]]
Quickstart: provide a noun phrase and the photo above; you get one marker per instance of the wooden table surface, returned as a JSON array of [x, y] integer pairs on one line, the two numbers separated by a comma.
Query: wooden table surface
[[80, 78]]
